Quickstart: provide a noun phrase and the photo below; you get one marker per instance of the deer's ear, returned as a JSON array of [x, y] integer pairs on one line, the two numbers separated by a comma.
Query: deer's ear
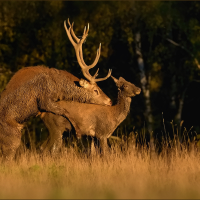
[[121, 79], [114, 79], [83, 83], [121, 82]]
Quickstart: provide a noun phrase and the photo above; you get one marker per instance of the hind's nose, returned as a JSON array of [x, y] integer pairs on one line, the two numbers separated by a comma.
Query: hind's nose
[[138, 91]]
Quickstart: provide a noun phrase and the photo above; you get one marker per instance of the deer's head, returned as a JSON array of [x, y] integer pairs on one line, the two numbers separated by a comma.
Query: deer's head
[[99, 97], [127, 89]]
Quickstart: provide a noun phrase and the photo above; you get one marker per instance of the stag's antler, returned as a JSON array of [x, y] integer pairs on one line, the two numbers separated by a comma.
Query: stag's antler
[[79, 53]]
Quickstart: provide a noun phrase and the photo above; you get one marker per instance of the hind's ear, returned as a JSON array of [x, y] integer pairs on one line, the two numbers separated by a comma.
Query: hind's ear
[[121, 79], [114, 79], [121, 82]]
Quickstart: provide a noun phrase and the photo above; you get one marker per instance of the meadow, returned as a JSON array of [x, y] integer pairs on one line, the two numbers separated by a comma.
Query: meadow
[[127, 171]]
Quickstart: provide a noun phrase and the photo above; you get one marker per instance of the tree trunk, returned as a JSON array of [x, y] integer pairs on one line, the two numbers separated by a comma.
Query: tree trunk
[[145, 88]]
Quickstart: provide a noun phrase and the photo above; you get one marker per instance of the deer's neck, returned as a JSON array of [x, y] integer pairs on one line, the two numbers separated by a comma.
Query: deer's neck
[[67, 88], [82, 95], [79, 94], [122, 108]]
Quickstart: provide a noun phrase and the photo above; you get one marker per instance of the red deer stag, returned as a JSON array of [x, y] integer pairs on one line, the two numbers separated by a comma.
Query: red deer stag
[[93, 120], [35, 89]]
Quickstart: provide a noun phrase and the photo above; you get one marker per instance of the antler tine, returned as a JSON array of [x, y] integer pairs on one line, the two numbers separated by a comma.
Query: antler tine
[[95, 61], [96, 74], [97, 57], [77, 45], [92, 78], [72, 31], [84, 30], [69, 22], [87, 29], [69, 35], [85, 69], [102, 79]]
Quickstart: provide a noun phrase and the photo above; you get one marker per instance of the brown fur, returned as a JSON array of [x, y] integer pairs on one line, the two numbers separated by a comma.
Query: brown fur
[[36, 89], [94, 120]]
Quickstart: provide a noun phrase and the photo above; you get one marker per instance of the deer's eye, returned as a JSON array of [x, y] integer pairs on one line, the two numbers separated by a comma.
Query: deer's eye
[[96, 91]]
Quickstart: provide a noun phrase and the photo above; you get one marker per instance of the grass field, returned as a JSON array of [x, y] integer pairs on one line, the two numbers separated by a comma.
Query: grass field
[[131, 173]]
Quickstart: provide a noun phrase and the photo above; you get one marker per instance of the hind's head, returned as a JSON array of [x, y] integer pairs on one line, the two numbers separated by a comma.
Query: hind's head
[[127, 89]]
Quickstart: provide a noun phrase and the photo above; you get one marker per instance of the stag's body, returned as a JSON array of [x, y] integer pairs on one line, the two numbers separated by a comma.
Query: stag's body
[[35, 89], [96, 120]]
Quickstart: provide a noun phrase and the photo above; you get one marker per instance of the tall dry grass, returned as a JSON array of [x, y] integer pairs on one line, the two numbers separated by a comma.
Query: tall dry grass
[[126, 172]]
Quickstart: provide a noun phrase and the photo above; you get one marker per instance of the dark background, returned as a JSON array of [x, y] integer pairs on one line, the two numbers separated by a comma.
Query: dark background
[[32, 33]]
